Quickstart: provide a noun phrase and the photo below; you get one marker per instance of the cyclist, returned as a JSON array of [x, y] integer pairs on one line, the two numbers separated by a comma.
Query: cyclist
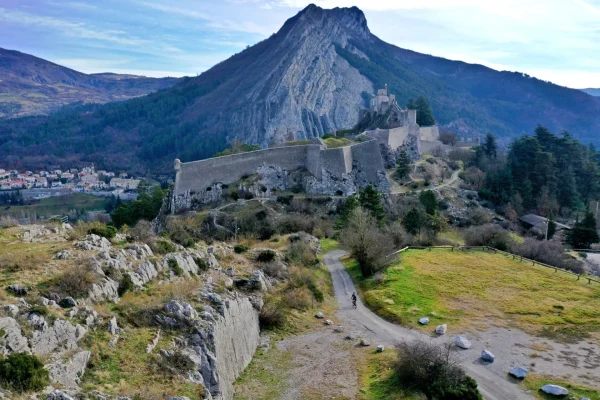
[[354, 299]]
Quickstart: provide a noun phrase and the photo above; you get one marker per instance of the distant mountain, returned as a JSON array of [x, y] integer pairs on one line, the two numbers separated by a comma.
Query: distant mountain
[[32, 86], [311, 77], [593, 92]]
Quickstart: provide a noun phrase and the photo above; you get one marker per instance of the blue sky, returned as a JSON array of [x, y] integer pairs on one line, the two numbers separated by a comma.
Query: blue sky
[[556, 40]]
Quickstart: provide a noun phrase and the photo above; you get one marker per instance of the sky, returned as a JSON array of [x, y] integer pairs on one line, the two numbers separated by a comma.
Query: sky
[[554, 40]]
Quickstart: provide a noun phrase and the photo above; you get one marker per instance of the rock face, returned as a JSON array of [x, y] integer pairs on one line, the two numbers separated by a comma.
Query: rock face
[[221, 344], [555, 390], [61, 336], [13, 340], [68, 371]]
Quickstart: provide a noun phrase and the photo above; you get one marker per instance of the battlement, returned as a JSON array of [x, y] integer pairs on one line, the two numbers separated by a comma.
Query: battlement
[[330, 171]]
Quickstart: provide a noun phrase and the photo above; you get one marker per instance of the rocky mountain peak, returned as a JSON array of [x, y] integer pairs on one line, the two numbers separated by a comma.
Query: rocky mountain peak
[[351, 19]]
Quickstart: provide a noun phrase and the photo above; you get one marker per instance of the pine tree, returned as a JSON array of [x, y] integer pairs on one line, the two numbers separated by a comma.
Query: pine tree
[[584, 233], [551, 228], [490, 147], [424, 113], [370, 199], [346, 210], [414, 221], [429, 201], [403, 167]]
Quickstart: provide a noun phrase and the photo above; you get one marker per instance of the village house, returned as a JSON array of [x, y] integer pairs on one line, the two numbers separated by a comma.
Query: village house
[[127, 184]]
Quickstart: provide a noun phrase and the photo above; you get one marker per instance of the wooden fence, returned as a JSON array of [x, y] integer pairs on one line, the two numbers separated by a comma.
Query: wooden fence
[[496, 251]]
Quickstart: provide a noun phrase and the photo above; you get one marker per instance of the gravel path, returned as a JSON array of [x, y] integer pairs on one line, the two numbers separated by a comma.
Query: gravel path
[[492, 385]]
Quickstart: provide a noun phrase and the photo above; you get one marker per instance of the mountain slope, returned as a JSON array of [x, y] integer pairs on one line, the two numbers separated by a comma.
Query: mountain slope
[[31, 85], [593, 92], [311, 77]]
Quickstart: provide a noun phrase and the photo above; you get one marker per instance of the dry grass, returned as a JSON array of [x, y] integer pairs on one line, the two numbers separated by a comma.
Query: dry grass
[[463, 289]]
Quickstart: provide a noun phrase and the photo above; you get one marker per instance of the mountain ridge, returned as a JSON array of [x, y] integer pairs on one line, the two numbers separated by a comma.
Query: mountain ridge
[[313, 76], [592, 92], [31, 85]]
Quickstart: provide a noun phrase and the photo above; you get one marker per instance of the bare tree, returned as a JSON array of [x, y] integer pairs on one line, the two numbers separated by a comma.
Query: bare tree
[[370, 246]]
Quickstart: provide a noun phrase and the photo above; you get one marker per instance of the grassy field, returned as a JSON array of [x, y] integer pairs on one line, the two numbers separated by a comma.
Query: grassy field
[[477, 289], [337, 142], [535, 382], [56, 205], [328, 245]]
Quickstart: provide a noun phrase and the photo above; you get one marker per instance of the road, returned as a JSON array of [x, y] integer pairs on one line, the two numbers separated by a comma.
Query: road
[[491, 385]]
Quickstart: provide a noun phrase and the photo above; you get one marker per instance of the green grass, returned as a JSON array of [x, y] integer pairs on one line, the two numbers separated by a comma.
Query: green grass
[[377, 380], [535, 382], [57, 205], [328, 245], [332, 143], [474, 289]]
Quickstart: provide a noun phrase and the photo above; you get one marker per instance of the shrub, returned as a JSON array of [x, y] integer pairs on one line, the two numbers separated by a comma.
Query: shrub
[[175, 267], [478, 216], [273, 313], [77, 281], [39, 310], [23, 372], [287, 200], [298, 298], [163, 247], [240, 248], [266, 256], [142, 232], [488, 235], [548, 252], [126, 285], [202, 265], [435, 371], [8, 222], [275, 269], [300, 253], [107, 231], [316, 292]]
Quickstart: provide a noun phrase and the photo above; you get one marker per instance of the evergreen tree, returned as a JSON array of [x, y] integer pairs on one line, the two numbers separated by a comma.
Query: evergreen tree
[[584, 233], [370, 199], [424, 113], [414, 221], [345, 212], [429, 201], [403, 168], [551, 228], [490, 148], [411, 105]]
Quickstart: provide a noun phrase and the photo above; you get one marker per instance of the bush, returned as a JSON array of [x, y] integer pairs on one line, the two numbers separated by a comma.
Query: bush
[[77, 281], [23, 372], [488, 235], [266, 256], [435, 371], [287, 200], [142, 232], [39, 310], [300, 253], [240, 248], [126, 285], [163, 247], [275, 269], [202, 265], [298, 298], [548, 252], [478, 216], [107, 231], [273, 313], [175, 267]]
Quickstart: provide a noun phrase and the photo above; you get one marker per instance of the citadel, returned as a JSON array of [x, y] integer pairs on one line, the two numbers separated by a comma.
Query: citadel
[[314, 167]]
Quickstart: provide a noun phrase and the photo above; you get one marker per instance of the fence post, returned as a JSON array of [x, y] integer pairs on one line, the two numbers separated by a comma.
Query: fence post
[[578, 276]]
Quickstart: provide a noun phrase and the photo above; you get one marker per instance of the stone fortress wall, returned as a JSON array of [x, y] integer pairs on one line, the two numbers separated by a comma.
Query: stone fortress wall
[[331, 170]]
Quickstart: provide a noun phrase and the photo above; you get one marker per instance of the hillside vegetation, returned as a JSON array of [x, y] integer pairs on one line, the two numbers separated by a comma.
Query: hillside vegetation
[[465, 289]]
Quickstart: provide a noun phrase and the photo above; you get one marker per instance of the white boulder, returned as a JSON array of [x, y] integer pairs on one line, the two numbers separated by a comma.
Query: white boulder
[[487, 356], [424, 321], [380, 348], [463, 342], [441, 329], [518, 372], [555, 390], [320, 315]]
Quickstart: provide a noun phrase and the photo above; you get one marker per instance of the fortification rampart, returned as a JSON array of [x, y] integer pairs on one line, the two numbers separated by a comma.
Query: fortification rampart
[[199, 175], [326, 171], [430, 133]]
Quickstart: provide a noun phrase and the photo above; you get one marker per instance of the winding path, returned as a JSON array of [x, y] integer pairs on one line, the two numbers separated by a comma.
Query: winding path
[[491, 385]]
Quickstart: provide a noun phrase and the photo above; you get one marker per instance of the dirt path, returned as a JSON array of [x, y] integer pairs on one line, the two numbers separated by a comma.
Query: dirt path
[[492, 385]]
